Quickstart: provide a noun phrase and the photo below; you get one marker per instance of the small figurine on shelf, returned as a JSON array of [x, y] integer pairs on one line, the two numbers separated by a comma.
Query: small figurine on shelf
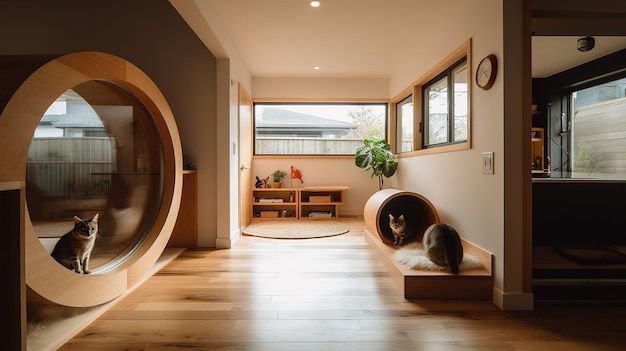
[[261, 183], [295, 174]]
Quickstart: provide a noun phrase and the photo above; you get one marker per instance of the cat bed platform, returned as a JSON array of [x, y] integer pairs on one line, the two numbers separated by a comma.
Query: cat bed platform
[[474, 284]]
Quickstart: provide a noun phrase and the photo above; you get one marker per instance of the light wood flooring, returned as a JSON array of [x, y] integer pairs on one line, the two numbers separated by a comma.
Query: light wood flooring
[[325, 294]]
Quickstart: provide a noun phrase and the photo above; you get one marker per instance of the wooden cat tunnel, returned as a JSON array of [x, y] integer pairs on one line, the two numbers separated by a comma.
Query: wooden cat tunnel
[[417, 210], [38, 82]]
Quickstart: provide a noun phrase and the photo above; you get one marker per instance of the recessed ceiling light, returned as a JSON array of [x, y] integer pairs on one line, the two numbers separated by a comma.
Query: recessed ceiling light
[[317, 68], [315, 3]]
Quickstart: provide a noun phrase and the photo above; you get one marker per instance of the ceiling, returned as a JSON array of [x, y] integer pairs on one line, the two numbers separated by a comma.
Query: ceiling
[[351, 38], [554, 54]]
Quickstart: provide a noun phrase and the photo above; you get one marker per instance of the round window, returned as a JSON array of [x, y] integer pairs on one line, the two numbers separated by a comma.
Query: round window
[[95, 151]]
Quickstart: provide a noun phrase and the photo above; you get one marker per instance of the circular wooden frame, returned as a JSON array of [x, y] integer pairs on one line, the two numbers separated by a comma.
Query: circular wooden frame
[[487, 69], [46, 280], [417, 209]]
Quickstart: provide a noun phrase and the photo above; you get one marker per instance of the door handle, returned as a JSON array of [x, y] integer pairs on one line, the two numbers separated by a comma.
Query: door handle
[[242, 167]]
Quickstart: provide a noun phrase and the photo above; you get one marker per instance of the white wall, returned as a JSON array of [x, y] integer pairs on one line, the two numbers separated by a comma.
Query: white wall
[[320, 88]]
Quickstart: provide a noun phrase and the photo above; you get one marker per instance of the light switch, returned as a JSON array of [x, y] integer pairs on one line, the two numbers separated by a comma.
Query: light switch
[[487, 159]]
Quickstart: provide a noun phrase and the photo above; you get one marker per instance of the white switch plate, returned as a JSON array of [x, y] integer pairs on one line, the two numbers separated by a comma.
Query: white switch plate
[[487, 159]]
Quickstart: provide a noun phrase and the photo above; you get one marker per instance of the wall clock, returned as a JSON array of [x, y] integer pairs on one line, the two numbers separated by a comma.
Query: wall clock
[[486, 72]]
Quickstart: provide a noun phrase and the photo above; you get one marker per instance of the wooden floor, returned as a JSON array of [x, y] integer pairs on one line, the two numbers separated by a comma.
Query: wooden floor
[[325, 294]]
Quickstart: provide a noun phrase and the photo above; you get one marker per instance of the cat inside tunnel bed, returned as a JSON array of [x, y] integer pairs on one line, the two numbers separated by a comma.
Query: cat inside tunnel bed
[[419, 215]]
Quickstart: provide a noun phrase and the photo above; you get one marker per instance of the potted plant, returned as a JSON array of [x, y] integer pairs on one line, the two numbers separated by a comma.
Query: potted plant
[[277, 176], [376, 155]]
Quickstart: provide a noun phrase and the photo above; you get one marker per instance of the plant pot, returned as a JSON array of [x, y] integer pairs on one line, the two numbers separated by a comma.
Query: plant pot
[[276, 185]]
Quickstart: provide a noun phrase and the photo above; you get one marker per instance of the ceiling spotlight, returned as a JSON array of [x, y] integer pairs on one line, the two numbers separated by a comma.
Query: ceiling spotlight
[[586, 43], [315, 3], [317, 68]]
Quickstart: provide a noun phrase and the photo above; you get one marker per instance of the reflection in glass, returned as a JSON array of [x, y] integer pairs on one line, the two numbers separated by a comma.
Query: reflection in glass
[[95, 150], [459, 79]]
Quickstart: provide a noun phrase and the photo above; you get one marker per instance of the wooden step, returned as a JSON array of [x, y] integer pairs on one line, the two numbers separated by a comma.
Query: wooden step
[[422, 284]]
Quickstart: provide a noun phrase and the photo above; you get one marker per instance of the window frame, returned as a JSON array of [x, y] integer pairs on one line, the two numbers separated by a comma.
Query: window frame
[[296, 101], [446, 76], [398, 128], [568, 124], [416, 88]]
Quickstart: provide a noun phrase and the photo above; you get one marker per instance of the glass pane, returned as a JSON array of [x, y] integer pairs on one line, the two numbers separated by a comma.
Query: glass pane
[[316, 129], [404, 118], [459, 77], [598, 131], [95, 151], [436, 101]]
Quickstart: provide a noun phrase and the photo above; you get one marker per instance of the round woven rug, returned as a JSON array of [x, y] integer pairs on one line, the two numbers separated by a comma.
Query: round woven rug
[[295, 229]]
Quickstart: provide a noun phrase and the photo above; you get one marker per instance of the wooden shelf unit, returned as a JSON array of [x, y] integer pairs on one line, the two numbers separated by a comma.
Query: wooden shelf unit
[[297, 203], [324, 202], [286, 202]]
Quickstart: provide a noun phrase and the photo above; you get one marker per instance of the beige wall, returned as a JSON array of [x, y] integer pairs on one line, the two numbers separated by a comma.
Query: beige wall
[[230, 71]]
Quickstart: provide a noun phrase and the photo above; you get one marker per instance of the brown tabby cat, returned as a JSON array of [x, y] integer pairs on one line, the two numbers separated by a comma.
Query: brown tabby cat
[[399, 228], [442, 245], [74, 248]]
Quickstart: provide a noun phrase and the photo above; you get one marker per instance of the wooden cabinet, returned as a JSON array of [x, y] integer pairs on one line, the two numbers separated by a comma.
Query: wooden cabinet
[[540, 166], [275, 203], [185, 232], [320, 202], [297, 203]]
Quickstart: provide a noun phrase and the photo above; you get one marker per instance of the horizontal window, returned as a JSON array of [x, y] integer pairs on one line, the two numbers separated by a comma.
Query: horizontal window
[[316, 128]]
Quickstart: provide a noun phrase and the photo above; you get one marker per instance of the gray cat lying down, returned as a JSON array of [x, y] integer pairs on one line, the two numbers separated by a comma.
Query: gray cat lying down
[[442, 245]]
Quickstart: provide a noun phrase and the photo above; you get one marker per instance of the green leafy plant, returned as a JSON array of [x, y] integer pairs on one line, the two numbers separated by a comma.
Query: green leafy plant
[[278, 175], [586, 159], [376, 155]]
